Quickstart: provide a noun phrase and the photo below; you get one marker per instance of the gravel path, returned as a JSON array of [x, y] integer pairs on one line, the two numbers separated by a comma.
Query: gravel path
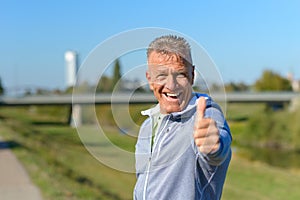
[[15, 183]]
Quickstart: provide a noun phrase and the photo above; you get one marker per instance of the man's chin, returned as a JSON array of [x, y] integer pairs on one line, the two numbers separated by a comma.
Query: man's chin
[[168, 110]]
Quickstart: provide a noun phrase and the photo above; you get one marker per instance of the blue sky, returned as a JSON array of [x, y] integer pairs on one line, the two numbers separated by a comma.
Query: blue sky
[[242, 37]]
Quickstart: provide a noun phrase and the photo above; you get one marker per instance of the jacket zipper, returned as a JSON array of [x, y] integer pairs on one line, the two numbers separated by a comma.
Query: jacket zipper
[[149, 161]]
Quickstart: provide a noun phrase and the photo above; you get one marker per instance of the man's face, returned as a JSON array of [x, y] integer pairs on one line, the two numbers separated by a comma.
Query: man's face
[[170, 80]]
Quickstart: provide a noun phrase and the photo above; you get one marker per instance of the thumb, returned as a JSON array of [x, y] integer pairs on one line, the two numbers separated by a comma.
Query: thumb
[[201, 106]]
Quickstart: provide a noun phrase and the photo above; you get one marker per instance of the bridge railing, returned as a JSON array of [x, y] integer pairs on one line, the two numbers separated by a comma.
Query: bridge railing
[[142, 98], [274, 99]]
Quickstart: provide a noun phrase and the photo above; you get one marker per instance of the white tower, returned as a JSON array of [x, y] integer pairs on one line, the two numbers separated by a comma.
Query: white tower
[[71, 61], [71, 68]]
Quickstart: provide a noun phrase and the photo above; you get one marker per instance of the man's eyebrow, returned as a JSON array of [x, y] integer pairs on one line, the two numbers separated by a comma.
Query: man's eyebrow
[[182, 70]]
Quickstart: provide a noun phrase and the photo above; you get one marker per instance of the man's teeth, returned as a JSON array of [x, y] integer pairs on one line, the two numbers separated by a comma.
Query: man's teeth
[[172, 94]]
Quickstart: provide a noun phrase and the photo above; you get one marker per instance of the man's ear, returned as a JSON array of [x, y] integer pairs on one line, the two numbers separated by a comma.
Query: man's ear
[[193, 75], [149, 80]]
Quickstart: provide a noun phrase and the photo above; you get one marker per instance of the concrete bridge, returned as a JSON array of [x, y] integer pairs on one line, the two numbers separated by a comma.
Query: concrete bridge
[[273, 99], [143, 98]]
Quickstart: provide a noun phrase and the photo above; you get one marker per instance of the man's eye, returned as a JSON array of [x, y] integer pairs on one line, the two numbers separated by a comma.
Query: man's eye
[[161, 76], [181, 75]]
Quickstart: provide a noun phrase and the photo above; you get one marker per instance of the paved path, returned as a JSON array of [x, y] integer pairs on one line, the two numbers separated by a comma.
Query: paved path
[[15, 183]]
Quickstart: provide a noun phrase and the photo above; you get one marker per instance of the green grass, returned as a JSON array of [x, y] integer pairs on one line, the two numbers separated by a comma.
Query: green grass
[[255, 180], [57, 160], [62, 168]]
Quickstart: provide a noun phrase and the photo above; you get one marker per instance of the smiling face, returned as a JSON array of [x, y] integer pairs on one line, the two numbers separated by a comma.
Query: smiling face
[[171, 79]]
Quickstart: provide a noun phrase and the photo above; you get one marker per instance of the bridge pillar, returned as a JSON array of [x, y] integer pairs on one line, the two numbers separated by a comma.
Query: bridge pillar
[[76, 116], [295, 104]]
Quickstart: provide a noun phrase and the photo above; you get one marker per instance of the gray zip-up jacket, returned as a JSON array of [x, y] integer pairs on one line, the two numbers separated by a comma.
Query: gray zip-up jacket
[[173, 167]]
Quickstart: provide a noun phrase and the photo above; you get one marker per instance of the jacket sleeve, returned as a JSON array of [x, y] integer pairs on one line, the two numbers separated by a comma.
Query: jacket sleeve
[[216, 158]]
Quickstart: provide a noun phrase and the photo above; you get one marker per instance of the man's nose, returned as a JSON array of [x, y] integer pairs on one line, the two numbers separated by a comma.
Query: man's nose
[[171, 82]]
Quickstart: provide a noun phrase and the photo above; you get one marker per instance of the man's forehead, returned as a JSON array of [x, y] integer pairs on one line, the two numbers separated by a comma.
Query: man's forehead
[[165, 58], [166, 67]]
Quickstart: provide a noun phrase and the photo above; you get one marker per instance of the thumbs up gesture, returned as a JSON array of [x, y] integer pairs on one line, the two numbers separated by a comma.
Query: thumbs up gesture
[[206, 133]]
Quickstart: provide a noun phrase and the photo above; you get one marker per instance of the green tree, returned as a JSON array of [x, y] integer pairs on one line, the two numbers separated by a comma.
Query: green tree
[[104, 84], [271, 81], [108, 84], [232, 87], [1, 87], [69, 90], [116, 77]]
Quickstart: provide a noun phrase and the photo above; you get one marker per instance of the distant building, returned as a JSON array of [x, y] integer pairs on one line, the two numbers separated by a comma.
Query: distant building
[[71, 62], [295, 83]]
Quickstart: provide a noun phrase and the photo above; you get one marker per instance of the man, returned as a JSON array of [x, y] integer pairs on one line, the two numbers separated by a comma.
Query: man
[[183, 149]]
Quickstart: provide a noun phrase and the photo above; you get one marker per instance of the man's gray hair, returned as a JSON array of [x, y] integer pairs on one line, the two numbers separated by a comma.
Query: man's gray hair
[[171, 44]]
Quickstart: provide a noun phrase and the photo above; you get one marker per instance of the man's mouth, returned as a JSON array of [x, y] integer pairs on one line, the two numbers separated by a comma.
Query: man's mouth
[[172, 95]]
